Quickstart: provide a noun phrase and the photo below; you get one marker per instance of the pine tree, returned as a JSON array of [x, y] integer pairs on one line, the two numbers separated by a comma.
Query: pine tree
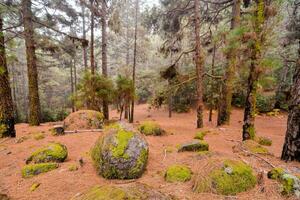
[[7, 122]]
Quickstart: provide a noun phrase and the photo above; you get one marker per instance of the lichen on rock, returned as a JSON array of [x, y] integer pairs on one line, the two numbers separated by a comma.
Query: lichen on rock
[[53, 152], [35, 169], [178, 173], [120, 154], [196, 145], [150, 128]]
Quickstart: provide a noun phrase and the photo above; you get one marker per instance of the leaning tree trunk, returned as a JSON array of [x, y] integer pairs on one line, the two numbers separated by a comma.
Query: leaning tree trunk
[[7, 121], [134, 59], [226, 94], [34, 100], [104, 53], [199, 60], [250, 105], [291, 147]]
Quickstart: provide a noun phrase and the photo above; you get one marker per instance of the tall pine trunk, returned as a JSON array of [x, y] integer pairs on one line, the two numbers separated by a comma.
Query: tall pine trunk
[[199, 61], [34, 100], [134, 58], [212, 85], [72, 86], [250, 105], [92, 57], [84, 37], [104, 53], [226, 94], [7, 121], [291, 147]]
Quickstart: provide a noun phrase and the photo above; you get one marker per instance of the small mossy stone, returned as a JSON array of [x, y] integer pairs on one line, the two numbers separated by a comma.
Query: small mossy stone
[[150, 128], [135, 191], [35, 169], [195, 145], [53, 152], [178, 173], [254, 147], [275, 173], [120, 154]]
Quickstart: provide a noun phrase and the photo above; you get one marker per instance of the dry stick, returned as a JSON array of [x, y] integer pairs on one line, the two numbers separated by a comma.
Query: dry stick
[[253, 154], [84, 131]]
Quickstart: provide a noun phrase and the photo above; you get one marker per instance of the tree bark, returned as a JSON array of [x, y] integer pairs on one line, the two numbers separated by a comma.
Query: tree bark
[[34, 100], [134, 58], [7, 120], [92, 56], [104, 53], [72, 87], [84, 37], [291, 147], [212, 85], [199, 61], [250, 105], [226, 94]]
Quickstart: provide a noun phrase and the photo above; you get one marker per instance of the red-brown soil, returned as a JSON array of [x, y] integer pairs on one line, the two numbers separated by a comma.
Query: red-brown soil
[[62, 184]]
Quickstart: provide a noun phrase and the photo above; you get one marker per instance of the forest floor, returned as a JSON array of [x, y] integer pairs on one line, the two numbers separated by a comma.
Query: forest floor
[[62, 184]]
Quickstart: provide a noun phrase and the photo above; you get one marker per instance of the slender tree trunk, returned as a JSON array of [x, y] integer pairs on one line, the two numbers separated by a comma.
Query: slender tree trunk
[[126, 112], [104, 53], [134, 57], [226, 94], [199, 61], [84, 37], [170, 102], [92, 56], [75, 80], [250, 105], [7, 121], [211, 98], [291, 147], [72, 87], [34, 100]]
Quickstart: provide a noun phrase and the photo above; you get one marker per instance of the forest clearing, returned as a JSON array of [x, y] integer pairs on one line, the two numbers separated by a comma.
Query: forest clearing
[[149, 99]]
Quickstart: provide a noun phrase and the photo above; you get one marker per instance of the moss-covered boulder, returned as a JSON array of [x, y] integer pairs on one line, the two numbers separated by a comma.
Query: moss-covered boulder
[[178, 173], [53, 152], [35, 169], [84, 119], [121, 154], [230, 179], [290, 184], [135, 191], [150, 128], [195, 145]]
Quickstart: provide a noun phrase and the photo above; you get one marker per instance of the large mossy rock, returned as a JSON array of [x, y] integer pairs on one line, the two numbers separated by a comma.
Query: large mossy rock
[[195, 145], [35, 169], [120, 154], [84, 119], [230, 179], [150, 128], [53, 152], [178, 173], [135, 191]]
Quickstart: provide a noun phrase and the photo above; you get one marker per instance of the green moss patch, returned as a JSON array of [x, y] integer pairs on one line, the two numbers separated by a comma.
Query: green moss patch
[[73, 167], [230, 179], [35, 169], [38, 136], [123, 138], [54, 152], [276, 173], [194, 146], [264, 141], [150, 128], [201, 134], [178, 173], [254, 147]]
